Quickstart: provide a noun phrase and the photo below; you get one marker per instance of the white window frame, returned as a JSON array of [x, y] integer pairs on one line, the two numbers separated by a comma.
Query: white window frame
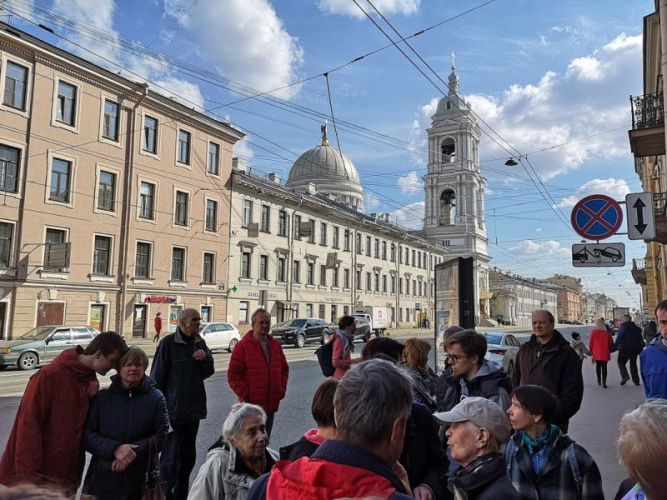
[[189, 217], [77, 108], [214, 270], [21, 146], [158, 128], [99, 167], [137, 210], [12, 246], [51, 155], [208, 157], [108, 97], [184, 278], [245, 223], [109, 278], [53, 274], [143, 279], [191, 155], [217, 214], [28, 93]]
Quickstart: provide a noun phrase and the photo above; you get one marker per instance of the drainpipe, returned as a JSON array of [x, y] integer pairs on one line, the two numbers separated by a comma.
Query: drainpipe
[[130, 153], [290, 264]]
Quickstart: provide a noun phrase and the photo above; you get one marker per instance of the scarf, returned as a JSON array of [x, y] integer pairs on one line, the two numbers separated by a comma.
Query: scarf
[[348, 339], [535, 445]]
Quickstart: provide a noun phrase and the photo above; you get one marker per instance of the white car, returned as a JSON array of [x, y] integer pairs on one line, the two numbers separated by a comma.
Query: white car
[[502, 348], [220, 335]]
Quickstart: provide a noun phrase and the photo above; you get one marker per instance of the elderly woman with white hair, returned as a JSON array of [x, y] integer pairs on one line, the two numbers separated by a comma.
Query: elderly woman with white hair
[[237, 459], [642, 446]]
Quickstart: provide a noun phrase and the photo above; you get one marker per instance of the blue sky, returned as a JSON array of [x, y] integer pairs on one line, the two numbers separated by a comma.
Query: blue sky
[[540, 73]]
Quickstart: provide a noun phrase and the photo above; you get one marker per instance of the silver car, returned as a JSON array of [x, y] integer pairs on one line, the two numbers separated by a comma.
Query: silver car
[[502, 348]]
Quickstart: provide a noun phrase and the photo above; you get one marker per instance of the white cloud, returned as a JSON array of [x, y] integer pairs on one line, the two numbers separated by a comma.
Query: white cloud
[[538, 229], [410, 216], [586, 97], [182, 91], [245, 40], [387, 7], [411, 184], [242, 149], [614, 188], [529, 247], [489, 192], [370, 202], [543, 41]]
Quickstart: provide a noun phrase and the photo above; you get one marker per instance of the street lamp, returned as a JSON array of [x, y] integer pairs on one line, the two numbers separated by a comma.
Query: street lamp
[[511, 163]]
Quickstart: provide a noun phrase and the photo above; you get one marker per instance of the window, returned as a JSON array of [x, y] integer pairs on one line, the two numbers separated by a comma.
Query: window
[[282, 223], [245, 265], [310, 274], [335, 242], [368, 246], [346, 240], [208, 275], [9, 168], [296, 266], [213, 166], [384, 250], [359, 280], [53, 236], [419, 259], [407, 286], [244, 306], [323, 275], [110, 123], [6, 231], [142, 268], [384, 283], [413, 258], [264, 267], [61, 171], [311, 237], [309, 310], [322, 310], [346, 278], [212, 216], [146, 200], [377, 282], [247, 213], [184, 142], [334, 277], [297, 225], [178, 264], [393, 284], [281, 270], [101, 255], [181, 212], [266, 219], [400, 285], [15, 85], [368, 282], [407, 256], [393, 252], [66, 103], [150, 135], [359, 249], [414, 287], [323, 234], [376, 253], [106, 191]]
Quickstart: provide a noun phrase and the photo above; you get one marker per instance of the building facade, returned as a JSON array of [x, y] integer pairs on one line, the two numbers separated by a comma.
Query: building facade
[[116, 199], [514, 298], [570, 296], [304, 249]]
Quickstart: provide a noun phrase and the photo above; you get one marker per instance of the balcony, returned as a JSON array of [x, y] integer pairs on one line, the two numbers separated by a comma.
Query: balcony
[[639, 271], [660, 211], [647, 137]]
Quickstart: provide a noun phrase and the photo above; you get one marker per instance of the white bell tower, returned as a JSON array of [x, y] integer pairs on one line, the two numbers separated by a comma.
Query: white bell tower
[[454, 187]]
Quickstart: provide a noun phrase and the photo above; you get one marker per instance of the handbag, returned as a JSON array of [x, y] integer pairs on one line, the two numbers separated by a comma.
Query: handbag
[[154, 487], [612, 345]]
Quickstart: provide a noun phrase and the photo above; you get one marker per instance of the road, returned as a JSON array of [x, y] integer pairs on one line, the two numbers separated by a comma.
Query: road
[[595, 426]]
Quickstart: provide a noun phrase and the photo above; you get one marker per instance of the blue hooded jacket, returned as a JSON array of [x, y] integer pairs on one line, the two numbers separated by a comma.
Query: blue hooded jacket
[[654, 369]]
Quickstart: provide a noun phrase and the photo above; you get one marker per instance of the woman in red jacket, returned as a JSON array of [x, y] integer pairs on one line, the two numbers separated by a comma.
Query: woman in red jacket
[[599, 344], [343, 346]]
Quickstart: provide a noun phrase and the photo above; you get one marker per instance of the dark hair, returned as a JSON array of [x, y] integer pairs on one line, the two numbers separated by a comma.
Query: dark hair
[[345, 321], [550, 316], [323, 406], [108, 343], [382, 345], [471, 342], [576, 335], [662, 306], [537, 401]]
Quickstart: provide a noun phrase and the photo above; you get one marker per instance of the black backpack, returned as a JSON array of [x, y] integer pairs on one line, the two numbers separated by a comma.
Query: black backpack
[[324, 355]]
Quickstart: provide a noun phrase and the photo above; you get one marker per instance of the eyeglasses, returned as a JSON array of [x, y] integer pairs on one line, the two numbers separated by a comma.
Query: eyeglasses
[[453, 358]]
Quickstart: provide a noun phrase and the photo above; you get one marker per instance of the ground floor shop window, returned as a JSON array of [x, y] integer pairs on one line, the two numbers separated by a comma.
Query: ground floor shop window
[[206, 314], [97, 316], [243, 312], [174, 311]]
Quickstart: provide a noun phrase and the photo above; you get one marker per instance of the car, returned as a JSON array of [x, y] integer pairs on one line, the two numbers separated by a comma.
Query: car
[[42, 344], [502, 348], [301, 330], [610, 252], [220, 335], [581, 255], [363, 330]]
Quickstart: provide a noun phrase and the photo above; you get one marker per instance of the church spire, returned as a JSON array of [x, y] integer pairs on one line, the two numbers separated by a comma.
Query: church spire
[[453, 77]]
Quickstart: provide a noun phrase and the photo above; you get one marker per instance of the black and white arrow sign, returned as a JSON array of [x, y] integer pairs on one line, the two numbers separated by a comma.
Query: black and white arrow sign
[[639, 208]]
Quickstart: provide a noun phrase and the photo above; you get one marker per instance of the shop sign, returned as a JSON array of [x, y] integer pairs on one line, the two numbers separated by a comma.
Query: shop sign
[[159, 299]]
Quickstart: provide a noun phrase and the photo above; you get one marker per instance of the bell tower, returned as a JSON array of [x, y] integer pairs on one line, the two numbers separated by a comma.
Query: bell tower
[[454, 187]]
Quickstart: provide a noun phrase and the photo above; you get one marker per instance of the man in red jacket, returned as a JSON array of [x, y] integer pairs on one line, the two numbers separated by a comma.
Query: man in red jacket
[[258, 370], [45, 444]]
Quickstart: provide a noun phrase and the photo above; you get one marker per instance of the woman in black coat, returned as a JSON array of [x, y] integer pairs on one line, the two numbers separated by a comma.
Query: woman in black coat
[[126, 424]]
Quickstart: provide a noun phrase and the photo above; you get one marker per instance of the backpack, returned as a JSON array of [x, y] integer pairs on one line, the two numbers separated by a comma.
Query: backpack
[[324, 355]]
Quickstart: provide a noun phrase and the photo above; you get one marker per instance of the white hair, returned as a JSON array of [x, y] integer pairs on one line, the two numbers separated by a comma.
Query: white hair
[[240, 412]]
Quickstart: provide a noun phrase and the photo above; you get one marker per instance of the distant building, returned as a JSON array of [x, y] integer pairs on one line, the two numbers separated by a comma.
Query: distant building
[[569, 297], [514, 298]]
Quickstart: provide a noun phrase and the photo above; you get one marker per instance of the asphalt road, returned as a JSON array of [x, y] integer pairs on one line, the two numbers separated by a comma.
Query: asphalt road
[[595, 426]]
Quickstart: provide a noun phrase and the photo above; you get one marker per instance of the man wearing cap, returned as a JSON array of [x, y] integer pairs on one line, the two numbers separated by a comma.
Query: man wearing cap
[[477, 429]]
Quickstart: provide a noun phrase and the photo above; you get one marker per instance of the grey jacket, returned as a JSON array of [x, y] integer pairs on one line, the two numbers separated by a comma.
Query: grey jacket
[[217, 479]]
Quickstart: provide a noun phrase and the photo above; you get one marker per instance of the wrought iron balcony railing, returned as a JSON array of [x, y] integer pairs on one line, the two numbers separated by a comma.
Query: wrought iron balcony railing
[[647, 110]]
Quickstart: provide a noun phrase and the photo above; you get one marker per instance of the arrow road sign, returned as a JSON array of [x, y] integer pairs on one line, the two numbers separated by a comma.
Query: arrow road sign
[[641, 222], [598, 255], [596, 217]]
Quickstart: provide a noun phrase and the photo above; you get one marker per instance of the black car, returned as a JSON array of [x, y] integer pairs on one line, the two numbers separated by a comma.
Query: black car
[[301, 330]]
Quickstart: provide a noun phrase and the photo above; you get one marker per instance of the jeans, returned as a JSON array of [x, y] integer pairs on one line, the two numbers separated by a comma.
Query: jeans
[[178, 459], [601, 371], [623, 358]]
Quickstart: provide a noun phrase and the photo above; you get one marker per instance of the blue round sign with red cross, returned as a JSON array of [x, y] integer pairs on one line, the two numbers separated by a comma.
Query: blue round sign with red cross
[[596, 217]]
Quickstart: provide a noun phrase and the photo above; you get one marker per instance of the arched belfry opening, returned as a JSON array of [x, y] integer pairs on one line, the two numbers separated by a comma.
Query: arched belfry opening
[[447, 150], [447, 207]]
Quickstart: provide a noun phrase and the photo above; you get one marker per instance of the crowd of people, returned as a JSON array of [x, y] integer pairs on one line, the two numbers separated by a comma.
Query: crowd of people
[[386, 426]]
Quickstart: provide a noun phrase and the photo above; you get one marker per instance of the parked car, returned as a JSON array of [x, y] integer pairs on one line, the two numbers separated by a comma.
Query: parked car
[[43, 344], [301, 330], [220, 335], [502, 348], [363, 330]]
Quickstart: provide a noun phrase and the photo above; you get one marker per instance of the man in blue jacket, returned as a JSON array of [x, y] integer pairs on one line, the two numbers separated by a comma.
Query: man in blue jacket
[[654, 358], [629, 343], [182, 362]]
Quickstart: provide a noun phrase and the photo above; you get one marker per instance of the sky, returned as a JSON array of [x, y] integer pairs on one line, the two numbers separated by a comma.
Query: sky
[[548, 79]]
